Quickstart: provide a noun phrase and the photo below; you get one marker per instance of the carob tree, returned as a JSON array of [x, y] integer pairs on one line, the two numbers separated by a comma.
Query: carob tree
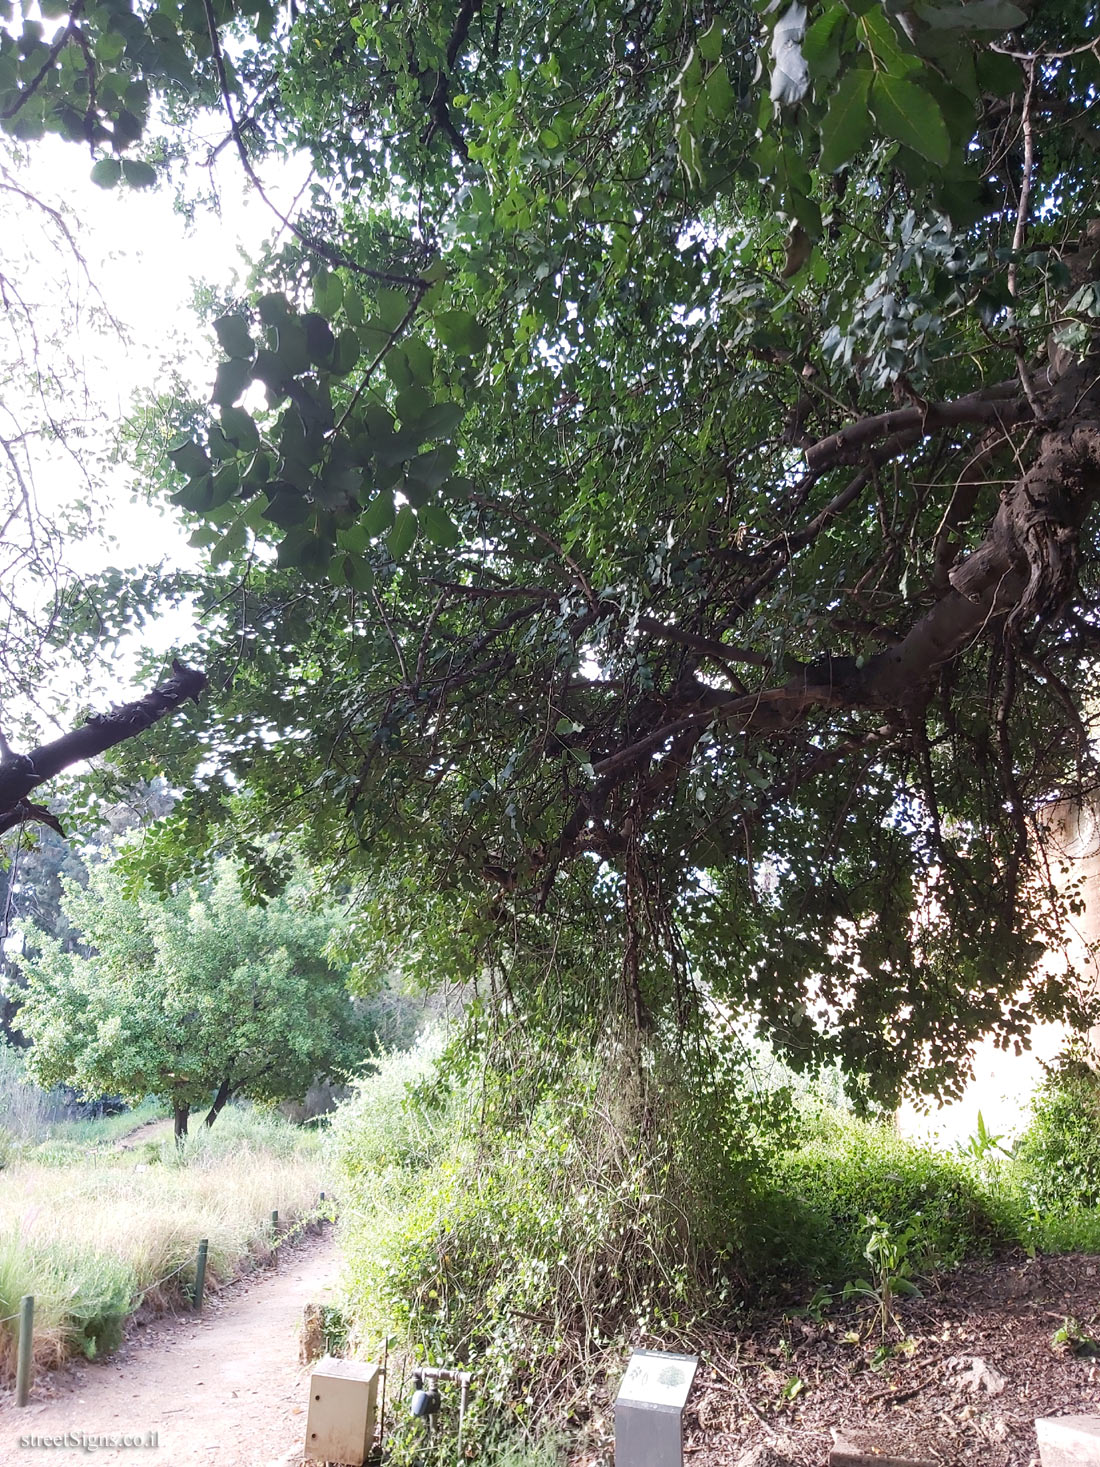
[[651, 489]]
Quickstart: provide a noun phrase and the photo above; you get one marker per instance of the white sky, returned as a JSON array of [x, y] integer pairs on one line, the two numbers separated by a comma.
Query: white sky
[[144, 258]]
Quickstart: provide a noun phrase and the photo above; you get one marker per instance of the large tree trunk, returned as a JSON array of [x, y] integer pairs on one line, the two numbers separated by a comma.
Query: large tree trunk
[[180, 1112], [225, 1091]]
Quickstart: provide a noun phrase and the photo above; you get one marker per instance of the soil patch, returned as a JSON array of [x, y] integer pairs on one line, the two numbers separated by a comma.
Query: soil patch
[[974, 1364], [158, 1130]]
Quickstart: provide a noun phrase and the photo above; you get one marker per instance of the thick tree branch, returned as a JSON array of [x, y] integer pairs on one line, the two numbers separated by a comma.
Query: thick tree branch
[[998, 405], [22, 774], [1025, 567]]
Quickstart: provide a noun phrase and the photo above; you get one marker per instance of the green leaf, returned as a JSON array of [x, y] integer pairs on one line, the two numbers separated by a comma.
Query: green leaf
[[258, 472], [127, 130], [821, 45], [230, 381], [412, 405], [291, 349], [358, 572], [461, 332], [240, 429], [429, 471], [227, 481], [709, 44], [883, 42], [286, 506], [403, 535], [273, 308], [846, 126], [138, 174], [267, 369], [420, 359], [346, 354], [328, 293], [233, 336], [109, 47], [998, 73], [218, 444], [300, 548], [353, 307], [232, 541], [438, 526], [107, 172], [392, 308], [378, 516], [197, 496], [320, 342], [187, 457], [718, 94], [910, 115], [973, 15]]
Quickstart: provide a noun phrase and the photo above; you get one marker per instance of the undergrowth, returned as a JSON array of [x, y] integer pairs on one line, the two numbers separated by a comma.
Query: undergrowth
[[533, 1225], [845, 1170]]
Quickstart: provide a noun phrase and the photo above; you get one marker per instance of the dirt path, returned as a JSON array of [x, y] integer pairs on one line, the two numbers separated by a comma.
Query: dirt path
[[158, 1130], [223, 1391]]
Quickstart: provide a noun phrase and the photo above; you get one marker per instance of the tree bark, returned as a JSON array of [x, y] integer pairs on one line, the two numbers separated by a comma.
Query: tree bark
[[180, 1112], [225, 1091], [21, 774]]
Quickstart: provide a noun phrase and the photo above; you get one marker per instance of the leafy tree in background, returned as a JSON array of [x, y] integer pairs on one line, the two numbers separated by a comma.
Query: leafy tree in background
[[650, 497], [195, 998], [33, 886]]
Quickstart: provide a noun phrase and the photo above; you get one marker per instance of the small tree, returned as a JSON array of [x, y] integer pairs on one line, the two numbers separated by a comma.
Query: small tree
[[196, 997]]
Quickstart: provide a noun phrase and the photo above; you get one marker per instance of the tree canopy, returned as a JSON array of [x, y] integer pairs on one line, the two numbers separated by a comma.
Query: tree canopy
[[195, 997], [650, 489]]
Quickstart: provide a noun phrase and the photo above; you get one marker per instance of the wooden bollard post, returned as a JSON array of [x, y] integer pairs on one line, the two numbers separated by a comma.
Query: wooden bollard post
[[200, 1274], [26, 1350], [275, 1240]]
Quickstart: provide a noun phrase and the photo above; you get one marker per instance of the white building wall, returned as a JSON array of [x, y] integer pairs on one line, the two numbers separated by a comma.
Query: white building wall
[[1003, 1081]]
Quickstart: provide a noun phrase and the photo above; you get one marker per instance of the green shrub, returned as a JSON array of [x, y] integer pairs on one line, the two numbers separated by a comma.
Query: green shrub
[[1058, 1155], [845, 1170], [532, 1238], [99, 1292]]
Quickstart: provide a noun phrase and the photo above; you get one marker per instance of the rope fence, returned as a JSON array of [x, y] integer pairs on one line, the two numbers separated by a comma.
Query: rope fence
[[323, 1212]]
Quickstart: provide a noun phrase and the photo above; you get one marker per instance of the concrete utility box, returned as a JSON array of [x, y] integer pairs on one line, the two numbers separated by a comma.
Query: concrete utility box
[[343, 1397], [1069, 1441], [649, 1409]]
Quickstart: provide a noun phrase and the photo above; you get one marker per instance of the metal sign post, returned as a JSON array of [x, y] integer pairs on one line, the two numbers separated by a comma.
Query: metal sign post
[[649, 1409]]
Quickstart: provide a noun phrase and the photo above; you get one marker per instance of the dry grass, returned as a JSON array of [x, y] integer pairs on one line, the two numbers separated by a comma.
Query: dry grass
[[94, 1232]]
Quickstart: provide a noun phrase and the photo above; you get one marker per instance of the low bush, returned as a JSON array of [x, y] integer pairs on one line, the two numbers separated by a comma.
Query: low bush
[[846, 1170], [1058, 1156]]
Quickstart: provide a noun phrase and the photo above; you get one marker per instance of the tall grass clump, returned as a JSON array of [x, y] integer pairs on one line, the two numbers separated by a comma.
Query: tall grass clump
[[26, 1112], [95, 1236]]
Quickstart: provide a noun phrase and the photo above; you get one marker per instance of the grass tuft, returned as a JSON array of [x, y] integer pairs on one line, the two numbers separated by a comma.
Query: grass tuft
[[94, 1233]]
